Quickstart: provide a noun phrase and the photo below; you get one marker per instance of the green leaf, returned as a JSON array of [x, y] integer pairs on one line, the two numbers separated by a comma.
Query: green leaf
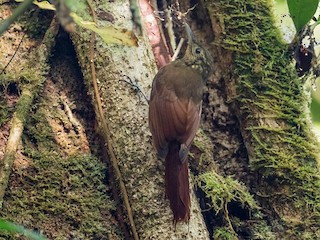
[[15, 228], [43, 5], [301, 11], [109, 34]]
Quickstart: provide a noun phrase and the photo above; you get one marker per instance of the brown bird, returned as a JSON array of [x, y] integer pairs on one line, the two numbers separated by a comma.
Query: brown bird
[[174, 118]]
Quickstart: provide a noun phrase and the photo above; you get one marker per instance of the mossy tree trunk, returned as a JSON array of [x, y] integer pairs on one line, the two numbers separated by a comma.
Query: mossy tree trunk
[[271, 106]]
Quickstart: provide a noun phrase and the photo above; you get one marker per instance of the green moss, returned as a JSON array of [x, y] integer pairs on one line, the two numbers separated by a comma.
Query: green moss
[[4, 110], [35, 22], [23, 106], [224, 234], [38, 133], [260, 230], [274, 108], [69, 194], [33, 74], [222, 191], [65, 197]]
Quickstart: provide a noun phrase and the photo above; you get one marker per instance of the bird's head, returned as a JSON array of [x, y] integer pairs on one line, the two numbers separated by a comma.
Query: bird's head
[[196, 56]]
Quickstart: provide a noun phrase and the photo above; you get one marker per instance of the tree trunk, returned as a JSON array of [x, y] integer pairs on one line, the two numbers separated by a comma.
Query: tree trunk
[[126, 113], [271, 105]]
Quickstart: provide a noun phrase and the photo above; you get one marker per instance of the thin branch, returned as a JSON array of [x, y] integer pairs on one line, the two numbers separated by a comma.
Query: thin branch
[[226, 212], [15, 52], [177, 51], [169, 26], [183, 15], [135, 87]]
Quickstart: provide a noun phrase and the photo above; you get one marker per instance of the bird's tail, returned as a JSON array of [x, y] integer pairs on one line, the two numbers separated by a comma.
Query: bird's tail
[[177, 184]]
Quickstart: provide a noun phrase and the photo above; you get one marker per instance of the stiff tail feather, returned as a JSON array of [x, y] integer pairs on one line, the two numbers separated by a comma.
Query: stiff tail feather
[[177, 184]]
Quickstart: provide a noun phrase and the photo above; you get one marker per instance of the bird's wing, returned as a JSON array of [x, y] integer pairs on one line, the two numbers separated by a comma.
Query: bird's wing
[[172, 118]]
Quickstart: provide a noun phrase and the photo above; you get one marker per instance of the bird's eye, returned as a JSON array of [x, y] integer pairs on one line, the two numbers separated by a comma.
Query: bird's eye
[[198, 50]]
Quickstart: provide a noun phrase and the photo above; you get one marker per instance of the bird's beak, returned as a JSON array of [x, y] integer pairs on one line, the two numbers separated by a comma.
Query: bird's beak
[[190, 35]]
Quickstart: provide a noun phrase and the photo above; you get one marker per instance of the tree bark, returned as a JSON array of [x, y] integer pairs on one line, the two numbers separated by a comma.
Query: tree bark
[[126, 114]]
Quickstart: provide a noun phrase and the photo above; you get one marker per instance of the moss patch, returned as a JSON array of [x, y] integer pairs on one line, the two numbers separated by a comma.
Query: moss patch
[[224, 190], [224, 234], [222, 193], [65, 197], [5, 111], [63, 194], [273, 113]]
